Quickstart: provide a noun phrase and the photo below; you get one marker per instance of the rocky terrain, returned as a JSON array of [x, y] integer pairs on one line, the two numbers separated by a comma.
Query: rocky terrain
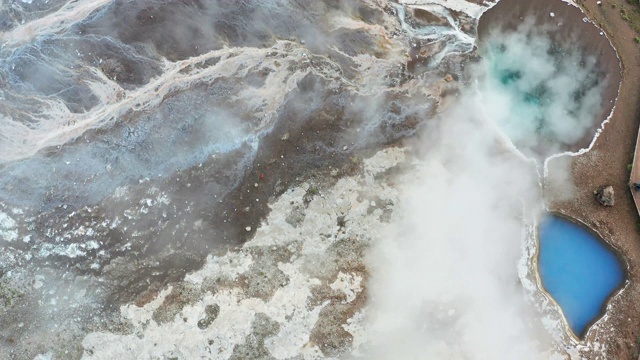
[[212, 188]]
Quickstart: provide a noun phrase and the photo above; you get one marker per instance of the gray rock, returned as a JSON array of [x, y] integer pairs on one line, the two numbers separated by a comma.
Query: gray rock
[[605, 196], [211, 313]]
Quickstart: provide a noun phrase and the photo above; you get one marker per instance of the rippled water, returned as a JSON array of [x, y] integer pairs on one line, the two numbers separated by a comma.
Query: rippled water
[[578, 269]]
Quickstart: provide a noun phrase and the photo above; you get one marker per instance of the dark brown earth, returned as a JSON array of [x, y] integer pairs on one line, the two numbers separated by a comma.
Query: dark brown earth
[[606, 164]]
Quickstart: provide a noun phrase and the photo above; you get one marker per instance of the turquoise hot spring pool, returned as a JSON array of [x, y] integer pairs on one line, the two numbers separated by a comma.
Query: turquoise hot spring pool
[[578, 270]]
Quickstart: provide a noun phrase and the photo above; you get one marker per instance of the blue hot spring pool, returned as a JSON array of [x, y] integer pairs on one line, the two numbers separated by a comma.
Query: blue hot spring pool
[[578, 269]]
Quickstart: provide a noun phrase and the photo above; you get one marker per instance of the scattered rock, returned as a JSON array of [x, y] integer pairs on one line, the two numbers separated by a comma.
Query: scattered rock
[[211, 313], [605, 196]]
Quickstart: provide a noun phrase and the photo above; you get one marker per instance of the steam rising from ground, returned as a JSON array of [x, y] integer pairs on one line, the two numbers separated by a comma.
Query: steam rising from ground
[[541, 93], [180, 123], [445, 282]]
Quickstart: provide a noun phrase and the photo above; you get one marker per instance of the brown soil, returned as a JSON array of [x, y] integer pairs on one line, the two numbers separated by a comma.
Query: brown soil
[[606, 164]]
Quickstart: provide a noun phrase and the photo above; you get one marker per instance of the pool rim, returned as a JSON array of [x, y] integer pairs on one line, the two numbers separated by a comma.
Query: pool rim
[[582, 337]]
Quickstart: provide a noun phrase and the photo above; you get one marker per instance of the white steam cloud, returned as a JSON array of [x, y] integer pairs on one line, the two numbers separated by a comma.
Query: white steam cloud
[[445, 280], [544, 95]]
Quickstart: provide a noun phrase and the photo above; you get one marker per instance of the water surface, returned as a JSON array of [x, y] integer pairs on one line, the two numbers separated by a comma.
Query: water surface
[[578, 269]]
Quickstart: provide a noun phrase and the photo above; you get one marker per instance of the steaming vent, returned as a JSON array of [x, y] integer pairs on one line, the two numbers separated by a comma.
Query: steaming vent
[[549, 78]]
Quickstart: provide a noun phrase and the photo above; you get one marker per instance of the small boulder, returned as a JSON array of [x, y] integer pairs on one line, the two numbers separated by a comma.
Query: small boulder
[[605, 196]]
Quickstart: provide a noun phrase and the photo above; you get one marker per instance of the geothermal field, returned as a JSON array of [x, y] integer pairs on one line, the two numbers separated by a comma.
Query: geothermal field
[[335, 179]]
